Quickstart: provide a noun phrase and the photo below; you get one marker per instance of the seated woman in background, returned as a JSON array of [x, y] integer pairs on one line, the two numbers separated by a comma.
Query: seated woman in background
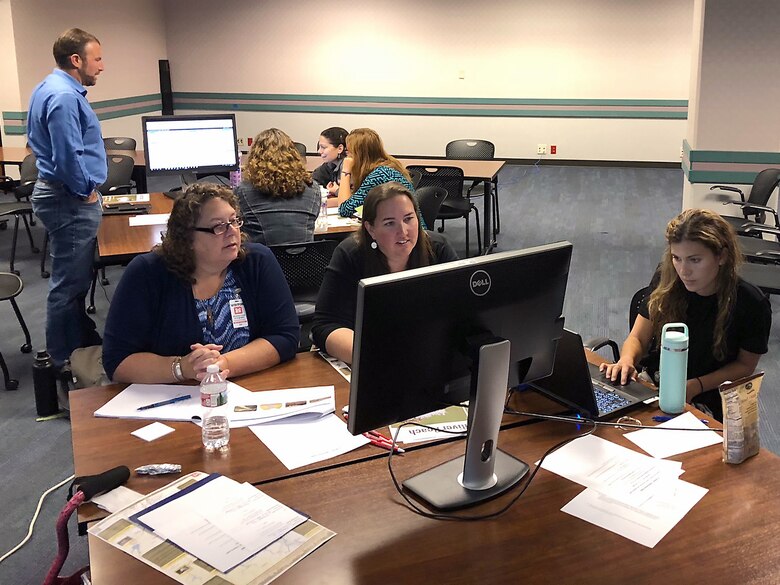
[[390, 239], [366, 166], [332, 148], [278, 201], [728, 319], [200, 297]]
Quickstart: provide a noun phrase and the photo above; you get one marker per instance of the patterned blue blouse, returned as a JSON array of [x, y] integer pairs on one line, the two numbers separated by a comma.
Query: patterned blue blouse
[[378, 176], [215, 320]]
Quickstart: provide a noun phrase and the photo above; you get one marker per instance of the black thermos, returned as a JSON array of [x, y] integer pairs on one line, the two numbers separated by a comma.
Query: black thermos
[[45, 384]]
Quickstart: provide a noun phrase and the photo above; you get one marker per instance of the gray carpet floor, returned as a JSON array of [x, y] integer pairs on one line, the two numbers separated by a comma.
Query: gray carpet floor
[[615, 217]]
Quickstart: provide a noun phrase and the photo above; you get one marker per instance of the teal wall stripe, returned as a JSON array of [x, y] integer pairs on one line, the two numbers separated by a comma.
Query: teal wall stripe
[[429, 111], [429, 100], [736, 165], [15, 123]]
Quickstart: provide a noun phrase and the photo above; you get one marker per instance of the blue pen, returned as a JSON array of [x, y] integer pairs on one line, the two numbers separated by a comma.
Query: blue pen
[[660, 418], [164, 402]]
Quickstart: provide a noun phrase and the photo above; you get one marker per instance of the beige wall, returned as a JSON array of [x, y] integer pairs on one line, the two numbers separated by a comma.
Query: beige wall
[[506, 48]]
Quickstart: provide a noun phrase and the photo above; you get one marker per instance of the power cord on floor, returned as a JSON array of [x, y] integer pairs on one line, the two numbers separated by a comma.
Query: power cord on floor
[[35, 517]]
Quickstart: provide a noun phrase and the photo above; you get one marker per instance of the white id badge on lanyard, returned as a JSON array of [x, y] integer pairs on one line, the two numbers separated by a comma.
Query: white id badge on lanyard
[[238, 314]]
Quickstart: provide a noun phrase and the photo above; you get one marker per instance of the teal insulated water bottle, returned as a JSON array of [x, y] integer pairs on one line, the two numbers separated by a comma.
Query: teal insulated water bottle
[[674, 367]]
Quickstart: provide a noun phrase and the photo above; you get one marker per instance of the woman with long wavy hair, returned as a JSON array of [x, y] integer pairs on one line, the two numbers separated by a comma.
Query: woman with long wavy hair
[[366, 166], [698, 284], [278, 200]]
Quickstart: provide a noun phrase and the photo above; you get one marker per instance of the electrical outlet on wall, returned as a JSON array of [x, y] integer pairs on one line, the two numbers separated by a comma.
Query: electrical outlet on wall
[[240, 141], [541, 149], [553, 149]]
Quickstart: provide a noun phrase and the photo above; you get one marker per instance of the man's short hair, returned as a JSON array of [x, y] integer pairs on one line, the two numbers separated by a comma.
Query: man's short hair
[[72, 42]]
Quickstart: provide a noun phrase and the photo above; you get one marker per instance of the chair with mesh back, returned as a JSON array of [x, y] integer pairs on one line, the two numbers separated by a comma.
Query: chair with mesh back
[[10, 287], [456, 205], [633, 311], [429, 200], [754, 207], [416, 176], [301, 148], [119, 143], [475, 149], [304, 265]]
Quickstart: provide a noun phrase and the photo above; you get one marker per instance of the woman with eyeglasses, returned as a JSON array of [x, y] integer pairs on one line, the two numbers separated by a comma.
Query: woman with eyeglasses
[[200, 297]]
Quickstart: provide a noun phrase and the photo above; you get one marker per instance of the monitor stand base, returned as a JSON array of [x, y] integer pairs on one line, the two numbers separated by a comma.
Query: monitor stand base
[[439, 487]]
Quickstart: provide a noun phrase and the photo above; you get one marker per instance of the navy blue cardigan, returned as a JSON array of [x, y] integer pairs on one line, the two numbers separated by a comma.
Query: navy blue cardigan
[[153, 310]]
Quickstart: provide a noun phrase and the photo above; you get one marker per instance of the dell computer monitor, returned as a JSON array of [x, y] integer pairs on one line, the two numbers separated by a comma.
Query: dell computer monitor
[[465, 330], [190, 145]]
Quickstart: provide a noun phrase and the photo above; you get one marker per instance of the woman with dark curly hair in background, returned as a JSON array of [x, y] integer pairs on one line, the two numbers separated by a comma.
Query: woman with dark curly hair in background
[[278, 199], [200, 297]]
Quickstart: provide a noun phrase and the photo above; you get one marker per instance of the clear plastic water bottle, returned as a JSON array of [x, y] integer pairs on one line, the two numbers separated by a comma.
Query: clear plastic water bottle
[[321, 224], [214, 399], [673, 368]]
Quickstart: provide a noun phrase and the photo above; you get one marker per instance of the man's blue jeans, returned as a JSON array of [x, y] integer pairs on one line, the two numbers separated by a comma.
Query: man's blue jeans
[[72, 226]]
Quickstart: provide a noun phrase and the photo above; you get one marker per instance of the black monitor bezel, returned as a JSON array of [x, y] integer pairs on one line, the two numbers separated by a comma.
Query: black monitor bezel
[[200, 170], [358, 422]]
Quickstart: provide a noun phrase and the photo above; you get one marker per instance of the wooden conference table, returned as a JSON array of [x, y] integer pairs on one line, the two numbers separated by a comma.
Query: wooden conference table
[[118, 242], [473, 170], [728, 537]]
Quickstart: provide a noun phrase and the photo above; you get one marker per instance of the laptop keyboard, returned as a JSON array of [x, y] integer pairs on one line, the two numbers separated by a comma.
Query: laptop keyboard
[[607, 400]]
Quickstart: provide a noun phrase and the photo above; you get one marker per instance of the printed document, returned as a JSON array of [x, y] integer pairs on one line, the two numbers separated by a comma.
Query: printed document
[[148, 219], [221, 521], [646, 525], [617, 472], [664, 444], [298, 443]]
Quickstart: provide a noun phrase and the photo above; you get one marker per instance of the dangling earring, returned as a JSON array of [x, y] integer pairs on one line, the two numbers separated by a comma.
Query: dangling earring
[[373, 245]]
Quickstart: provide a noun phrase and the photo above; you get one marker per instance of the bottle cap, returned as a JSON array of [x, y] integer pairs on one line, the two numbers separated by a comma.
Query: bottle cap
[[212, 368]]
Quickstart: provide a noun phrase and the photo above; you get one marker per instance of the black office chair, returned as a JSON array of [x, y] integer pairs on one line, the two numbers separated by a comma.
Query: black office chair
[[476, 149], [456, 205], [301, 148], [304, 265], [120, 169], [429, 200], [754, 207], [119, 143], [10, 287], [416, 176], [19, 210], [633, 311]]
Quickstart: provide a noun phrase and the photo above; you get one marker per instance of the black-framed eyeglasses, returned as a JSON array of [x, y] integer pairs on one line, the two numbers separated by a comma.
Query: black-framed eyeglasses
[[221, 227]]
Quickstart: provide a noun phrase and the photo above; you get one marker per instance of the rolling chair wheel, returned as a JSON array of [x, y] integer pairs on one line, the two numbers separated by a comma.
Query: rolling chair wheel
[[12, 384], [440, 229], [3, 225], [16, 272], [104, 281], [91, 309], [26, 348], [45, 274]]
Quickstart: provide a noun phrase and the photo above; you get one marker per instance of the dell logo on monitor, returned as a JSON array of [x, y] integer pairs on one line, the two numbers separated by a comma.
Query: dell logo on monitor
[[480, 283]]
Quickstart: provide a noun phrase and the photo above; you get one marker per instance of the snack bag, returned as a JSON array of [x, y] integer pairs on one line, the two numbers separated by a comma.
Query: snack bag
[[740, 418]]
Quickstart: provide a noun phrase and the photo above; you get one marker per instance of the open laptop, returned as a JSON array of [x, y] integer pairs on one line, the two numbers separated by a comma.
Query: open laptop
[[579, 384]]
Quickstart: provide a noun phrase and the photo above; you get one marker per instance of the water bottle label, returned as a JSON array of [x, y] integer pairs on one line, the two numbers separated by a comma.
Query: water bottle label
[[213, 400]]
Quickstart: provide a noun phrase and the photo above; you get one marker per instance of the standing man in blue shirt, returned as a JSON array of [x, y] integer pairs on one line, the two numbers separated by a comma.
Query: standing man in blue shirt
[[64, 133]]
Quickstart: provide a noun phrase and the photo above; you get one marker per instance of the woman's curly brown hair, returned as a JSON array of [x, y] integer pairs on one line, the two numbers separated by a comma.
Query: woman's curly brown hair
[[275, 166], [176, 246]]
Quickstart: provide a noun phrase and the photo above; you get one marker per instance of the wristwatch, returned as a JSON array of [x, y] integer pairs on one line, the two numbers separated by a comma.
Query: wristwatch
[[176, 367]]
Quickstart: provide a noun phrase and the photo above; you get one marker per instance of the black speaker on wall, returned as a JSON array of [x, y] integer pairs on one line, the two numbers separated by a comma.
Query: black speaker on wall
[[166, 93]]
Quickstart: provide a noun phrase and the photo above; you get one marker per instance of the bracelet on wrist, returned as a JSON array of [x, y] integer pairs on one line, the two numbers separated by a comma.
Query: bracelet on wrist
[[176, 370], [346, 173]]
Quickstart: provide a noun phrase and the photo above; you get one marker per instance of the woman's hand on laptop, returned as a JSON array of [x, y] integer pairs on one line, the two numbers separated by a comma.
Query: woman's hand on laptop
[[619, 372]]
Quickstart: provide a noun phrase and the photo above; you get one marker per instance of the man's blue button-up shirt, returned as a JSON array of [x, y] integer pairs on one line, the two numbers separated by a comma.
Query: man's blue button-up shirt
[[64, 133]]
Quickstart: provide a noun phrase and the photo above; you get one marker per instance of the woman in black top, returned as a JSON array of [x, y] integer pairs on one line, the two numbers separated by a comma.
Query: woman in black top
[[391, 239], [728, 319], [332, 148]]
